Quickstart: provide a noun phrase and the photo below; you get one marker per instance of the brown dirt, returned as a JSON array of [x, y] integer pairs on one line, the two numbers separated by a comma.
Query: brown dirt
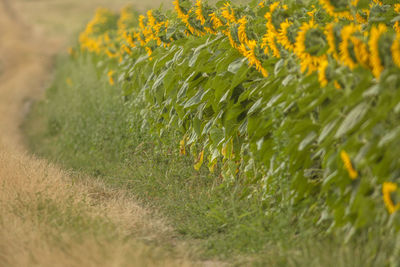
[[47, 216]]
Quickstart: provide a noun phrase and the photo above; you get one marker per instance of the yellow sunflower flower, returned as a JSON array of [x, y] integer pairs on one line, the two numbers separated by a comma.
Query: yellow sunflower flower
[[242, 30], [396, 25], [387, 189], [360, 49], [126, 49], [199, 12], [361, 52], [307, 61], [331, 39], [250, 54], [184, 17], [215, 21], [347, 164], [283, 36], [330, 9], [271, 37], [274, 6], [228, 13], [375, 60], [179, 11]]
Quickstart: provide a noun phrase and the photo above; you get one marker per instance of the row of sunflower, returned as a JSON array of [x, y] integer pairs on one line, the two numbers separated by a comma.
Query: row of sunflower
[[348, 37], [299, 101]]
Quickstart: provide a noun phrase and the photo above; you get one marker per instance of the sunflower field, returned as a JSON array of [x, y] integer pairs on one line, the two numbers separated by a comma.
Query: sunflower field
[[297, 100]]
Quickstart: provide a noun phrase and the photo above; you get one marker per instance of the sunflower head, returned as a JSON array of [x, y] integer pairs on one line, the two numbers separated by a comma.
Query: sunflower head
[[377, 59], [310, 46], [337, 8], [333, 37], [287, 34], [279, 15], [351, 47]]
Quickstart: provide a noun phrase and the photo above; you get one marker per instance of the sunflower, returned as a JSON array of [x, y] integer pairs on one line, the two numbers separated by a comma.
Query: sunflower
[[199, 12], [308, 61], [179, 11], [216, 22], [396, 50], [142, 22], [271, 37], [126, 49], [360, 51], [129, 39], [264, 44], [184, 17], [347, 164], [200, 17], [228, 13], [387, 189], [332, 41], [346, 57], [331, 10], [283, 38], [234, 42], [242, 30], [375, 60], [269, 40], [396, 25], [274, 6], [253, 60], [362, 16]]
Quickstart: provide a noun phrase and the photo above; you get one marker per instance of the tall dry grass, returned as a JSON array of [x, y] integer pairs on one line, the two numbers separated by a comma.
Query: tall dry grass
[[49, 219]]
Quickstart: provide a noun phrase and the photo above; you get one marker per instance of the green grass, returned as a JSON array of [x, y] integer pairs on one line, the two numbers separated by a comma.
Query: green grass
[[85, 125]]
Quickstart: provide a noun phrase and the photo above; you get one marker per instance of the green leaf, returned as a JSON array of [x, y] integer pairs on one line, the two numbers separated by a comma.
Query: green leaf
[[196, 98], [307, 140], [236, 65], [388, 137], [352, 119]]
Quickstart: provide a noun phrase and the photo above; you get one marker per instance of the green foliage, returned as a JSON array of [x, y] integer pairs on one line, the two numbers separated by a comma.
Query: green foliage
[[85, 124], [317, 121]]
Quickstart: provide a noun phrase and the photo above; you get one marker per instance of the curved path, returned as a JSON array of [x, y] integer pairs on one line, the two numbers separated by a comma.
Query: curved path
[[49, 217]]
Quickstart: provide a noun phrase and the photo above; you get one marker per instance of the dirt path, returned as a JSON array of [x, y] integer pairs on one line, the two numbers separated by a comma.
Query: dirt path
[[48, 217]]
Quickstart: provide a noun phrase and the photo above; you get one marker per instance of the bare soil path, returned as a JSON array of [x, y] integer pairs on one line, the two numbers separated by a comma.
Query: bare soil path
[[47, 216]]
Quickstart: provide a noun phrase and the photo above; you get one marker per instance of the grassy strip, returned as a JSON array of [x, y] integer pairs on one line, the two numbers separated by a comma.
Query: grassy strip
[[84, 124], [49, 220]]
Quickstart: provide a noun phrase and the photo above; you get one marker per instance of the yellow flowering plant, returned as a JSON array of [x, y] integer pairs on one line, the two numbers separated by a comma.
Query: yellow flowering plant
[[271, 93]]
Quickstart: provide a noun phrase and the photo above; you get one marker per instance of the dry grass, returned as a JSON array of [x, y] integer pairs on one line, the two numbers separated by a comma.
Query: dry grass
[[48, 218]]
